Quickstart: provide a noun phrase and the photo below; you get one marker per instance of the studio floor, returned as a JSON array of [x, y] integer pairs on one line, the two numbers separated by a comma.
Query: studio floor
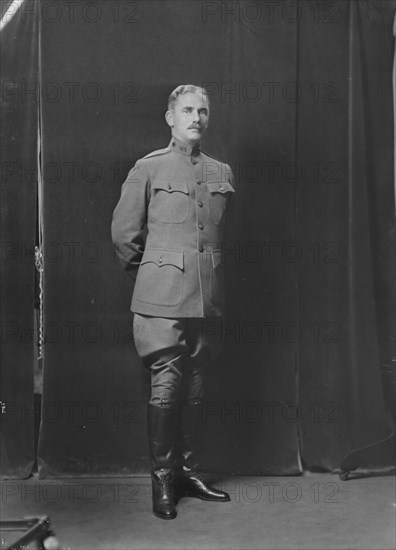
[[315, 511]]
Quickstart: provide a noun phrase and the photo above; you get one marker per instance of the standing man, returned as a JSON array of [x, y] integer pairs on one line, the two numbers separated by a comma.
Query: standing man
[[167, 230]]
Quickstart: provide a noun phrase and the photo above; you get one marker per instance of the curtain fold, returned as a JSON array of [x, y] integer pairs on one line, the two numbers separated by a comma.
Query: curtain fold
[[19, 56], [371, 140], [352, 215]]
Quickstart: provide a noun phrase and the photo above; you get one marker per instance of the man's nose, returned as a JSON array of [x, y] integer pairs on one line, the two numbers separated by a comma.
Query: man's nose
[[195, 116]]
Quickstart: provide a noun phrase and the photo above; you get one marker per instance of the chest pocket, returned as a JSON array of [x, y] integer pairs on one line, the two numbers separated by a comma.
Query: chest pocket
[[220, 193], [169, 201]]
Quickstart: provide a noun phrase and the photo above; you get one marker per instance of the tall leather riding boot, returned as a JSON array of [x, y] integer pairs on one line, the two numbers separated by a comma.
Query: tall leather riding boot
[[188, 481], [161, 429]]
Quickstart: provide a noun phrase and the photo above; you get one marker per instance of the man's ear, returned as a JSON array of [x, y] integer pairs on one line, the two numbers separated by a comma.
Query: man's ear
[[169, 118]]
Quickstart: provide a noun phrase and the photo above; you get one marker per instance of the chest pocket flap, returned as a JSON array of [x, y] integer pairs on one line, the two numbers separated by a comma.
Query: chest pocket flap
[[220, 193], [170, 186], [220, 187]]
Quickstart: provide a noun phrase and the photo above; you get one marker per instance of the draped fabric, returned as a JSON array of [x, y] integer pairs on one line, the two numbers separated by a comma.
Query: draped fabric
[[301, 109], [19, 66], [355, 211]]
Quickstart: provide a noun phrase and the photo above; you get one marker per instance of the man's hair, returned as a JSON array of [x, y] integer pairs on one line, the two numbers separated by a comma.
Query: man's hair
[[185, 89]]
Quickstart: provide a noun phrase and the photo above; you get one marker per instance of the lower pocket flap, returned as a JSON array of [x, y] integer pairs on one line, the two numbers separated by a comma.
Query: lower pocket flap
[[161, 257]]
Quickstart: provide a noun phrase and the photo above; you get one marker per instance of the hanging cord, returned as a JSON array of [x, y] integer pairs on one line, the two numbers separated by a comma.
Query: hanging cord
[[39, 256], [394, 100], [38, 260]]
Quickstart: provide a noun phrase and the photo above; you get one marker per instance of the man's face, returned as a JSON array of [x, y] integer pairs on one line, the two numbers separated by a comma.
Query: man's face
[[190, 117]]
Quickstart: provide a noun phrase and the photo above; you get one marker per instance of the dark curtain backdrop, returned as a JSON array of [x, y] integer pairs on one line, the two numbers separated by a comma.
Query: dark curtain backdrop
[[353, 208], [19, 63], [302, 111]]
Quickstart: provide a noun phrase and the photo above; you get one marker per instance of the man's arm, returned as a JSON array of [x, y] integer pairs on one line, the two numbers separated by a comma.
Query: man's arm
[[128, 229], [230, 176]]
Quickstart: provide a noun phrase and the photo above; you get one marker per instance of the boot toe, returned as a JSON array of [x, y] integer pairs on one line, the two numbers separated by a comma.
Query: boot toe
[[196, 488], [164, 513]]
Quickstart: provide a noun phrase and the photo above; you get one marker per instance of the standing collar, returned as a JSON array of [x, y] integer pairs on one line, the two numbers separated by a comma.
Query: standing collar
[[183, 148]]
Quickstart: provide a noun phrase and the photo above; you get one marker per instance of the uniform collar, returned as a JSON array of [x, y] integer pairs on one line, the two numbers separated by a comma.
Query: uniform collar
[[188, 150]]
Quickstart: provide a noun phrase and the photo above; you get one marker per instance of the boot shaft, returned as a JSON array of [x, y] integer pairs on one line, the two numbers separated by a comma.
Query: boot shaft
[[162, 423], [187, 436]]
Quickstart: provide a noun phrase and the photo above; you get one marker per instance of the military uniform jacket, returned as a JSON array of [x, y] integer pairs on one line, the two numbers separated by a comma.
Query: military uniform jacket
[[168, 228]]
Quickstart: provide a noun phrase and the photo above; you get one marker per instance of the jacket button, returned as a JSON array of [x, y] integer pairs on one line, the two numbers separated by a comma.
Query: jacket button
[[160, 260], [169, 186], [221, 188], [200, 226], [200, 204]]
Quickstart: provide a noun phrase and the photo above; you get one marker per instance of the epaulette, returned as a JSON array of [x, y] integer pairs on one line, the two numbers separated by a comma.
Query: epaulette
[[157, 152]]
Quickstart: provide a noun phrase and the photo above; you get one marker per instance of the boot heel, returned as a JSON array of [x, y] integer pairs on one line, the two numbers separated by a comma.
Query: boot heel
[[190, 484]]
